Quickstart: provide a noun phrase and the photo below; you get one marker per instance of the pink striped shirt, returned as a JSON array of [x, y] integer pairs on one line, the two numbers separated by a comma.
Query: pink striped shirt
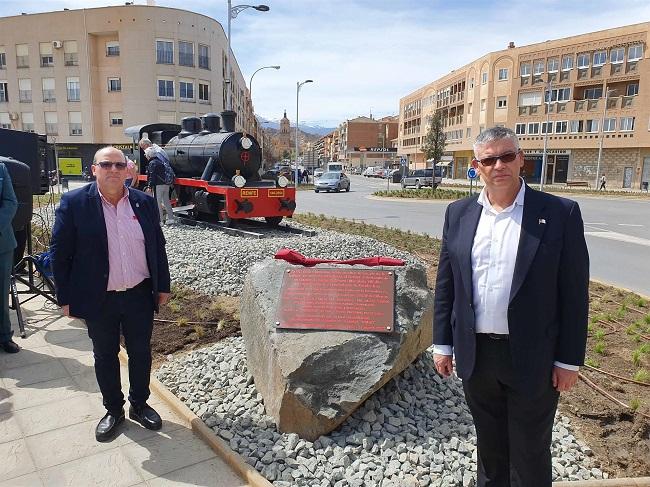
[[127, 259]]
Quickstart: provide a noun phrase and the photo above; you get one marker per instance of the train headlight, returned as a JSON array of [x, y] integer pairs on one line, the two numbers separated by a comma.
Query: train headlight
[[239, 181], [246, 143], [282, 181]]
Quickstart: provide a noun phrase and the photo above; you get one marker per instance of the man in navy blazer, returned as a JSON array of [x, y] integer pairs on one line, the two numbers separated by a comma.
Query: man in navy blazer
[[110, 269], [511, 303], [8, 206]]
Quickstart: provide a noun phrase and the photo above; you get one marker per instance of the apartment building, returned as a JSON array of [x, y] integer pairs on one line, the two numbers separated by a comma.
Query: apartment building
[[575, 93], [364, 141], [82, 76]]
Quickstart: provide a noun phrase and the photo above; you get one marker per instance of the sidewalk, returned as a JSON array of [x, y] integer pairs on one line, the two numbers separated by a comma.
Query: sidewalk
[[50, 405]]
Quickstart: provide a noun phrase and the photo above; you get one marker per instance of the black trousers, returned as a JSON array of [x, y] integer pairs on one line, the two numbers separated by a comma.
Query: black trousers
[[513, 429], [131, 314]]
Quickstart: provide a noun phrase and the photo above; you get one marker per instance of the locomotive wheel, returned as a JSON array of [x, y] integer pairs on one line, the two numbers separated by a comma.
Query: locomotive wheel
[[228, 221], [273, 221]]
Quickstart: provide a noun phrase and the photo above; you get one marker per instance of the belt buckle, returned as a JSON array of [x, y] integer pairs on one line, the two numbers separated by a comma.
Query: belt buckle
[[121, 290]]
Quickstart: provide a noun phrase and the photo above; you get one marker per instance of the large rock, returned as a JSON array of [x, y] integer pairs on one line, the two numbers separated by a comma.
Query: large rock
[[312, 380]]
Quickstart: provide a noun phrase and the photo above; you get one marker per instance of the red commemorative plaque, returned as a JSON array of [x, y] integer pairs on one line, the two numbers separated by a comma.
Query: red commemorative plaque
[[337, 299]]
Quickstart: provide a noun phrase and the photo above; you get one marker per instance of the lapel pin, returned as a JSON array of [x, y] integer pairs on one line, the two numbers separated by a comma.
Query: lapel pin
[[137, 205], [541, 221]]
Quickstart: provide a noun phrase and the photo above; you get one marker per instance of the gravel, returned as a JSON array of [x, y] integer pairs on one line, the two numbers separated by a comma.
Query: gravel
[[415, 431]]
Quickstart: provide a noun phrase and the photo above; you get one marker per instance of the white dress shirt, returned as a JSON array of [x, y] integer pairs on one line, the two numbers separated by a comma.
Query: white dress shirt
[[494, 252]]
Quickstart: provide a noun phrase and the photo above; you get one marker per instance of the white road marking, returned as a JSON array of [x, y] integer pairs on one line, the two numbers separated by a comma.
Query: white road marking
[[596, 223], [629, 225], [621, 237]]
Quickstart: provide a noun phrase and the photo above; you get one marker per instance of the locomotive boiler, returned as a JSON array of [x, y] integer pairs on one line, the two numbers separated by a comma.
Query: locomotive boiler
[[218, 170]]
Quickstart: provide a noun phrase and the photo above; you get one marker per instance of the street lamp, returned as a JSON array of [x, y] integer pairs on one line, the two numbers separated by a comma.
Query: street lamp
[[298, 86], [250, 83], [232, 14], [542, 176], [602, 134]]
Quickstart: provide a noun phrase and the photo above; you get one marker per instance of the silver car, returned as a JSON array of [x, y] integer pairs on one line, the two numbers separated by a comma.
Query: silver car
[[332, 181]]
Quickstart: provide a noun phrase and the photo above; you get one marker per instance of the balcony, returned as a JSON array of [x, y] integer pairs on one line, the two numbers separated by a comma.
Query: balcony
[[616, 69], [49, 96], [565, 75], [561, 107], [580, 105], [632, 67], [592, 105], [596, 71], [583, 73], [25, 96], [627, 101], [612, 102]]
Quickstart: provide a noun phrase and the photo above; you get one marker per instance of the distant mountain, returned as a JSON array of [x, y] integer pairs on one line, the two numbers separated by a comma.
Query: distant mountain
[[310, 129]]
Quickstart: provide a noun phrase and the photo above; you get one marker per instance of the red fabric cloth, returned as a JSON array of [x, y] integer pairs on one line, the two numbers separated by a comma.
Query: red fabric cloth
[[295, 257]]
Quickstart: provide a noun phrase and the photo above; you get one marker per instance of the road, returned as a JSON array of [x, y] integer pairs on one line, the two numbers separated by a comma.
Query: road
[[617, 230]]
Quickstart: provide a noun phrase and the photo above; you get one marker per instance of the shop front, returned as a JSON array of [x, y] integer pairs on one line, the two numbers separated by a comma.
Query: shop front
[[557, 165]]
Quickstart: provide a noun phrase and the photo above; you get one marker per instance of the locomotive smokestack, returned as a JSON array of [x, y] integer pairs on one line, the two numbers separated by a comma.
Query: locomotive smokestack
[[228, 119], [211, 123]]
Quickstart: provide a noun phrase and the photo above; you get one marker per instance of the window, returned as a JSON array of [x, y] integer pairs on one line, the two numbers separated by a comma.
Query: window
[[4, 91], [471, 83], [634, 53], [617, 56], [28, 121], [538, 67], [609, 125], [530, 99], [49, 94], [74, 120], [502, 102], [533, 128], [3, 58], [547, 127], [592, 126], [600, 58], [112, 48], [553, 65], [469, 108], [51, 123], [575, 126], [22, 56], [70, 53], [503, 74], [483, 104], [204, 92], [520, 129], [47, 57], [524, 69], [583, 60], [593, 93], [561, 127], [164, 52], [632, 89], [25, 90], [567, 62], [627, 124], [559, 94], [115, 119], [186, 90], [114, 84], [5, 121], [165, 89], [204, 56], [484, 78], [74, 90], [185, 53], [468, 132]]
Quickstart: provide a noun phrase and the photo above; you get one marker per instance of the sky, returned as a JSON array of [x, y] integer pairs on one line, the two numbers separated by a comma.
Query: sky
[[364, 55]]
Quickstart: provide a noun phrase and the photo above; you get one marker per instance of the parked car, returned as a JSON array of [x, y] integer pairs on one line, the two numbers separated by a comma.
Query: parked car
[[367, 172], [332, 181], [422, 177]]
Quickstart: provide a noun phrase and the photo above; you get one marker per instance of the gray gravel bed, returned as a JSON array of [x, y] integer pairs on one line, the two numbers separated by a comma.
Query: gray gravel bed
[[415, 431]]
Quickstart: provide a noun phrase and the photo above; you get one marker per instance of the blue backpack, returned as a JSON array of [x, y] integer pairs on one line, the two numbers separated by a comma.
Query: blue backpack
[[169, 173]]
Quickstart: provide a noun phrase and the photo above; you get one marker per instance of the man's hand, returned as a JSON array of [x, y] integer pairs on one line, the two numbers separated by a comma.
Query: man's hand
[[66, 309], [163, 298], [564, 379], [443, 363]]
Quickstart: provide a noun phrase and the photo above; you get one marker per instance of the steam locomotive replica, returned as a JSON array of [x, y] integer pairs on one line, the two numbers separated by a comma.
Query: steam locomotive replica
[[217, 170]]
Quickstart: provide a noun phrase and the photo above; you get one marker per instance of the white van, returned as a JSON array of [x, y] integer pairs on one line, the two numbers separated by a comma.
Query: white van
[[334, 167]]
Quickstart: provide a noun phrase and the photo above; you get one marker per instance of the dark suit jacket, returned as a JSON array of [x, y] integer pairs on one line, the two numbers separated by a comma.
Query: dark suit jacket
[[549, 299], [79, 249]]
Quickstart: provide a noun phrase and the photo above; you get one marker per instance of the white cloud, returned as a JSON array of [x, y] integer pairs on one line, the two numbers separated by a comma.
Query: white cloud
[[367, 54]]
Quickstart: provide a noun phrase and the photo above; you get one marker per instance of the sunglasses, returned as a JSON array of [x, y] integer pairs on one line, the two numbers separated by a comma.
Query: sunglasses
[[120, 166], [505, 158]]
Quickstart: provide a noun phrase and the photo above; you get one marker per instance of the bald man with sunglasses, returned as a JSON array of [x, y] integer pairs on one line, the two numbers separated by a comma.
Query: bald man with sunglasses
[[511, 304], [110, 269]]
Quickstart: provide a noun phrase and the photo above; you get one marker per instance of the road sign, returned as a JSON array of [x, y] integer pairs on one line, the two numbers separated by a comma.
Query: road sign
[[402, 160], [472, 173]]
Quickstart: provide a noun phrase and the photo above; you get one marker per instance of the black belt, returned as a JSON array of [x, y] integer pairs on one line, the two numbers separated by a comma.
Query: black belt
[[494, 336], [140, 285]]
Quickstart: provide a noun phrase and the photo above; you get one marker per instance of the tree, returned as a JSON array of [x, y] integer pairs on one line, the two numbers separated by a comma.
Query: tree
[[434, 141]]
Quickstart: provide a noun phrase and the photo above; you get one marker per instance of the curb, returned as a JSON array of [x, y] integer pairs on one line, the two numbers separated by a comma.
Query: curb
[[622, 482], [220, 447]]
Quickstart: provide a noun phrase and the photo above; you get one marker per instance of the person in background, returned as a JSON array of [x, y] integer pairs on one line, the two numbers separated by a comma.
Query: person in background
[[156, 183], [110, 268], [132, 174], [160, 152], [603, 183], [8, 207], [511, 303]]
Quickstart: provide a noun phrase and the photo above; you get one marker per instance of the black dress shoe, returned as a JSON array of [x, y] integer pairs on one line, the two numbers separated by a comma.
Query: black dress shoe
[[146, 416], [10, 347], [107, 427]]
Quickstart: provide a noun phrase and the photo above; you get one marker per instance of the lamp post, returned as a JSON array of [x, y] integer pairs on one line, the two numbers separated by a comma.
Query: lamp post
[[250, 83], [602, 134], [542, 176], [232, 14], [298, 86]]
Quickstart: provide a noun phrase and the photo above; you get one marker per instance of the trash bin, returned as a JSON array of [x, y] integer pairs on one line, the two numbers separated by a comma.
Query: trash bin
[[644, 186]]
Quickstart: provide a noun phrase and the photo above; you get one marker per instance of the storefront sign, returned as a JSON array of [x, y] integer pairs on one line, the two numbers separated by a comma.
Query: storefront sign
[[70, 166], [539, 152], [375, 149]]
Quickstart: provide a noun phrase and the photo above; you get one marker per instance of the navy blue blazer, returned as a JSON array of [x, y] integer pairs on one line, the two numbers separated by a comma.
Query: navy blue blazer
[[79, 249], [549, 299]]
